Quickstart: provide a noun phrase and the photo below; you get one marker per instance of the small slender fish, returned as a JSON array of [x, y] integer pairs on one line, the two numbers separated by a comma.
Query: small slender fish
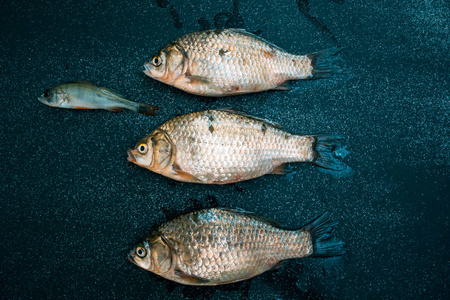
[[225, 62], [220, 246], [225, 146], [85, 95]]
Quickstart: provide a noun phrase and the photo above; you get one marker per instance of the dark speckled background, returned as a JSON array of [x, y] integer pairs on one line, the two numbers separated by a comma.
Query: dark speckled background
[[72, 205]]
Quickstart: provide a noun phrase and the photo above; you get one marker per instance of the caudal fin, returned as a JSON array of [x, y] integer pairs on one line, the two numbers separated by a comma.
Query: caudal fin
[[324, 63], [146, 109], [329, 150], [324, 243]]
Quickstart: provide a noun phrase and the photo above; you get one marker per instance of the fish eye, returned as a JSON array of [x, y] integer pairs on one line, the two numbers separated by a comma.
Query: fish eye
[[142, 148], [156, 61], [46, 94], [141, 252]]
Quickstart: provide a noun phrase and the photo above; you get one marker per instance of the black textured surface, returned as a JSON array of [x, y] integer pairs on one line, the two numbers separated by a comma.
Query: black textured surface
[[72, 205]]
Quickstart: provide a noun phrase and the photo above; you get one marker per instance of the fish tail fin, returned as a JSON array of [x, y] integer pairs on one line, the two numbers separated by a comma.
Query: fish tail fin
[[324, 63], [329, 150], [324, 243], [146, 109]]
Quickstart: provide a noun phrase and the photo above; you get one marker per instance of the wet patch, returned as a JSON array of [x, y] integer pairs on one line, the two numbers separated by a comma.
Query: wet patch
[[230, 20], [204, 24], [175, 17], [238, 188], [162, 3], [173, 13], [303, 7], [258, 32]]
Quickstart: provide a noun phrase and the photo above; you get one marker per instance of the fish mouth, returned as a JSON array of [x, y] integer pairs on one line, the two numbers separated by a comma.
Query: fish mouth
[[148, 69], [130, 258], [131, 157], [42, 99]]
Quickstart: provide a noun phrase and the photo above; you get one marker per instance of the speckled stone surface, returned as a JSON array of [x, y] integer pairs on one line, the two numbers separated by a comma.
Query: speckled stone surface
[[72, 205]]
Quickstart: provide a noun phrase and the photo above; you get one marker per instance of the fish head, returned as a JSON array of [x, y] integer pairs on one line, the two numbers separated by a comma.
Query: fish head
[[153, 152], [168, 65], [154, 254], [140, 255], [54, 97]]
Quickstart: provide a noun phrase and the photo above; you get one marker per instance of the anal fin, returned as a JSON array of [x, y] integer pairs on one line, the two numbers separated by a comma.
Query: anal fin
[[283, 87], [279, 264], [115, 109], [281, 170]]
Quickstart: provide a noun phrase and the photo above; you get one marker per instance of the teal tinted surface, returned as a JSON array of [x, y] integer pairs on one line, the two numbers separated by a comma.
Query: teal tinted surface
[[72, 205]]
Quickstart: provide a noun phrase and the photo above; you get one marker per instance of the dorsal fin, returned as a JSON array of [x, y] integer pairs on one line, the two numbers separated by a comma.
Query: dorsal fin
[[241, 113], [251, 215], [108, 92], [245, 32], [81, 81], [104, 90]]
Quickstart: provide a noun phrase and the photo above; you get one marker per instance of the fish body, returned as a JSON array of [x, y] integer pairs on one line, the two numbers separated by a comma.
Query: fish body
[[85, 95], [226, 146], [226, 62], [219, 246]]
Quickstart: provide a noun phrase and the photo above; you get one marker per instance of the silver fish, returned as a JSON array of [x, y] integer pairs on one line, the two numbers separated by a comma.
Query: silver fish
[[85, 95], [220, 246], [225, 146]]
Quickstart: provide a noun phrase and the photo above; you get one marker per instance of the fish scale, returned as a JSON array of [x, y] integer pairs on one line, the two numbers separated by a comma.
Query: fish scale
[[225, 146], [235, 147], [221, 245], [225, 62], [239, 257], [233, 58]]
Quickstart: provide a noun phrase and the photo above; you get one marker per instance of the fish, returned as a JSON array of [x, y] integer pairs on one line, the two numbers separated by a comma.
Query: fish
[[226, 62], [218, 246], [86, 95], [222, 146]]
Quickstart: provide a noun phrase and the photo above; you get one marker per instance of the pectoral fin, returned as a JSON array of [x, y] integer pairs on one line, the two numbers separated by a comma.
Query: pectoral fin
[[190, 279], [182, 175], [195, 80]]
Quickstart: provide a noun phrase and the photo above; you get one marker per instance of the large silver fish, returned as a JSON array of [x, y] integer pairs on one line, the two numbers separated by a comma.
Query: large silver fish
[[220, 246], [226, 62], [85, 95], [226, 146]]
